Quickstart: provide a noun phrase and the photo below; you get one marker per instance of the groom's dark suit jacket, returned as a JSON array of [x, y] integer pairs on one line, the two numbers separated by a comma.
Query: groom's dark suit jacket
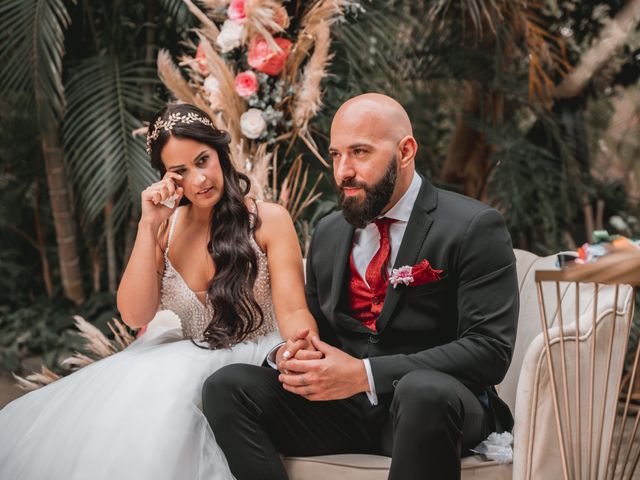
[[463, 324]]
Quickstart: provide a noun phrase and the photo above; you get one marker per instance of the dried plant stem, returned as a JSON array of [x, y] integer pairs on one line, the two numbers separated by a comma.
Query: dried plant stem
[[208, 28]]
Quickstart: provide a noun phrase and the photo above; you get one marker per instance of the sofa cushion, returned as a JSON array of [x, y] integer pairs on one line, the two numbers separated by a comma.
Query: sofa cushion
[[374, 467]]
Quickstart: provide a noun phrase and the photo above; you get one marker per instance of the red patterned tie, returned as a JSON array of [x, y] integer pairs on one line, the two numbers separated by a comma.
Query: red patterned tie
[[376, 274]]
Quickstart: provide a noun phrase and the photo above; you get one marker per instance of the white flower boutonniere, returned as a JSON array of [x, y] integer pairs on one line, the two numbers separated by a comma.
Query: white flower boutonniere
[[401, 275]]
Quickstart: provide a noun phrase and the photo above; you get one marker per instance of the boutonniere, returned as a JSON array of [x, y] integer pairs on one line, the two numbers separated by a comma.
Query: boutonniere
[[414, 275]]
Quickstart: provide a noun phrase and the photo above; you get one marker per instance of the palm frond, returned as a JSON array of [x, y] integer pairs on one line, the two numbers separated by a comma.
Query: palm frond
[[106, 162], [31, 52], [175, 8], [377, 51], [482, 14]]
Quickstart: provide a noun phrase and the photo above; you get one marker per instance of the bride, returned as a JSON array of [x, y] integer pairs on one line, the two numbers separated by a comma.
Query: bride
[[228, 267]]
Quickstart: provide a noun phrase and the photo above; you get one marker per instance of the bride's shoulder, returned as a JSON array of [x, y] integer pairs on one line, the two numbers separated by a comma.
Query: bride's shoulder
[[268, 212], [274, 220]]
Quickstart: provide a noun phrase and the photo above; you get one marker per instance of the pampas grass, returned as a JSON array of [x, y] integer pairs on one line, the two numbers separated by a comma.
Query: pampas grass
[[322, 12], [36, 380], [297, 102], [309, 97], [231, 106], [171, 76], [261, 20], [292, 190], [208, 28], [96, 345]]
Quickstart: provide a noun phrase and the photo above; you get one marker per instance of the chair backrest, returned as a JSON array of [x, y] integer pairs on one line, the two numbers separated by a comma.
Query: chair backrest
[[528, 321], [527, 386]]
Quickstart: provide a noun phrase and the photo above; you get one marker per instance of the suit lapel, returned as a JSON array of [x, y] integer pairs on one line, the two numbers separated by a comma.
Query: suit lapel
[[414, 237], [344, 238]]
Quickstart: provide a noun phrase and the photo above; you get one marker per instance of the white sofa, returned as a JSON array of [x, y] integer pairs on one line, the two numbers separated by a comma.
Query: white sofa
[[525, 388]]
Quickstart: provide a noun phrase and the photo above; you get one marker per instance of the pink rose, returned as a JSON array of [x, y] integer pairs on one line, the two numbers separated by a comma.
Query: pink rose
[[201, 58], [236, 11], [246, 83], [265, 60]]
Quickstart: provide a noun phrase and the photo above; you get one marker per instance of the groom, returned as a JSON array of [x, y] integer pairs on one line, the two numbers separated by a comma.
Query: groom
[[410, 354]]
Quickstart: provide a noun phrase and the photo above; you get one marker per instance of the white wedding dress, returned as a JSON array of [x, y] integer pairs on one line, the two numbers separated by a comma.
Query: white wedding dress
[[138, 413]]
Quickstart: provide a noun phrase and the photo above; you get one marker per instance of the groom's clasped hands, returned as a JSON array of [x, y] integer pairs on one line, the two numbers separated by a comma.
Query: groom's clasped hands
[[317, 371]]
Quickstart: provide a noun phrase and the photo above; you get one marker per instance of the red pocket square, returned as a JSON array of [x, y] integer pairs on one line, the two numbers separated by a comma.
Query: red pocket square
[[415, 275]]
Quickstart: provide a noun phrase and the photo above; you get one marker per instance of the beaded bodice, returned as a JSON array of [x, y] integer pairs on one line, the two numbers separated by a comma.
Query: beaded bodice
[[194, 315]]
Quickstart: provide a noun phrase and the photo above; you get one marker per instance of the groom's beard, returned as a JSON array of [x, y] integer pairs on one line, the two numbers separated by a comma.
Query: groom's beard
[[361, 212]]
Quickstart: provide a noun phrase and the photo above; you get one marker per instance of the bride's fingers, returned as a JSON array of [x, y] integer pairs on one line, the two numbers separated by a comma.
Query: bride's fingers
[[176, 177], [292, 348], [308, 355], [171, 187]]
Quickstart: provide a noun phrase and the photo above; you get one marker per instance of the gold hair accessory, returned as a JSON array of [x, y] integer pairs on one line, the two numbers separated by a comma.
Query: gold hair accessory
[[170, 122]]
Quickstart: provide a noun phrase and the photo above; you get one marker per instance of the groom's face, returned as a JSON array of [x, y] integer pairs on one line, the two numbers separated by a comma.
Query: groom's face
[[365, 167]]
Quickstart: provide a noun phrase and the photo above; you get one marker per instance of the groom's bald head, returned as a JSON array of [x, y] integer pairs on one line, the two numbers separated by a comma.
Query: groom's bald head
[[382, 115], [373, 151]]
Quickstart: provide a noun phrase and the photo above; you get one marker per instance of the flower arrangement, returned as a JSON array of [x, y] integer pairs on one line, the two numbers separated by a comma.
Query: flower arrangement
[[257, 70]]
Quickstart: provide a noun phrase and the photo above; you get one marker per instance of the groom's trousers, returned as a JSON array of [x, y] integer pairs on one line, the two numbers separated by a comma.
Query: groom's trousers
[[425, 425]]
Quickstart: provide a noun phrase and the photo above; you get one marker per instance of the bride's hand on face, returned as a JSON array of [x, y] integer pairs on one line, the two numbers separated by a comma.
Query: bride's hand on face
[[154, 212]]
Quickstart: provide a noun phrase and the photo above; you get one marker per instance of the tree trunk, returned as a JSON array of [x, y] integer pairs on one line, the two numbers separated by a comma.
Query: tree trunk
[[112, 267], [42, 247], [63, 219], [95, 267], [130, 235], [467, 164]]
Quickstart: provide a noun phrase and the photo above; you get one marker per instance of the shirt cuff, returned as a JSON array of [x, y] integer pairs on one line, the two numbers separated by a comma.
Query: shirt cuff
[[271, 356], [371, 394]]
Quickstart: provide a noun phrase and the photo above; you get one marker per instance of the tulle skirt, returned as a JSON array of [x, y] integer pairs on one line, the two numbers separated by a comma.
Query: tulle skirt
[[134, 415]]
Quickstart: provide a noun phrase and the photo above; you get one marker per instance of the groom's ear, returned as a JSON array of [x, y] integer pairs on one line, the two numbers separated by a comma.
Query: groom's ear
[[407, 148]]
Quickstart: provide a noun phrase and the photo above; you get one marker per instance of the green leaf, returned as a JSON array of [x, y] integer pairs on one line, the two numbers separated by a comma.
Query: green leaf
[[31, 53], [106, 163]]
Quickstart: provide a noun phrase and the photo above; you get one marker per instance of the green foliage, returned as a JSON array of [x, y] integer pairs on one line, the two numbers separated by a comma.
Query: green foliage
[[21, 194], [89, 66], [106, 162], [46, 327], [529, 185], [31, 57]]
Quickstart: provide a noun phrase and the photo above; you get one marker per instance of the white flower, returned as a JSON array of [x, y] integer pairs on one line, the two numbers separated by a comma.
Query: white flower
[[211, 84], [230, 36], [252, 124]]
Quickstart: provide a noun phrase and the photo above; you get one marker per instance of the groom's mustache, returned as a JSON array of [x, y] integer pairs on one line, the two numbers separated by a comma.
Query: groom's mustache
[[351, 183]]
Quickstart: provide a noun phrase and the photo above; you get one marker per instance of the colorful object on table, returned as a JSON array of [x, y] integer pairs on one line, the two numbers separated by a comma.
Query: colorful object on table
[[604, 243]]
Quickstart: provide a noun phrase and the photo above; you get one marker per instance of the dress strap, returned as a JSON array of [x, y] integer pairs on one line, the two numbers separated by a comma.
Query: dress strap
[[174, 217], [253, 210]]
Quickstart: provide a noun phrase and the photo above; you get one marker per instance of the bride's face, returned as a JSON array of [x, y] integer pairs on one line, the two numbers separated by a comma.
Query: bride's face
[[202, 178]]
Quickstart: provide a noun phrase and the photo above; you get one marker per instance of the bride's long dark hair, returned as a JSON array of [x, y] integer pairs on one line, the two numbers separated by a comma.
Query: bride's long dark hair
[[236, 313]]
